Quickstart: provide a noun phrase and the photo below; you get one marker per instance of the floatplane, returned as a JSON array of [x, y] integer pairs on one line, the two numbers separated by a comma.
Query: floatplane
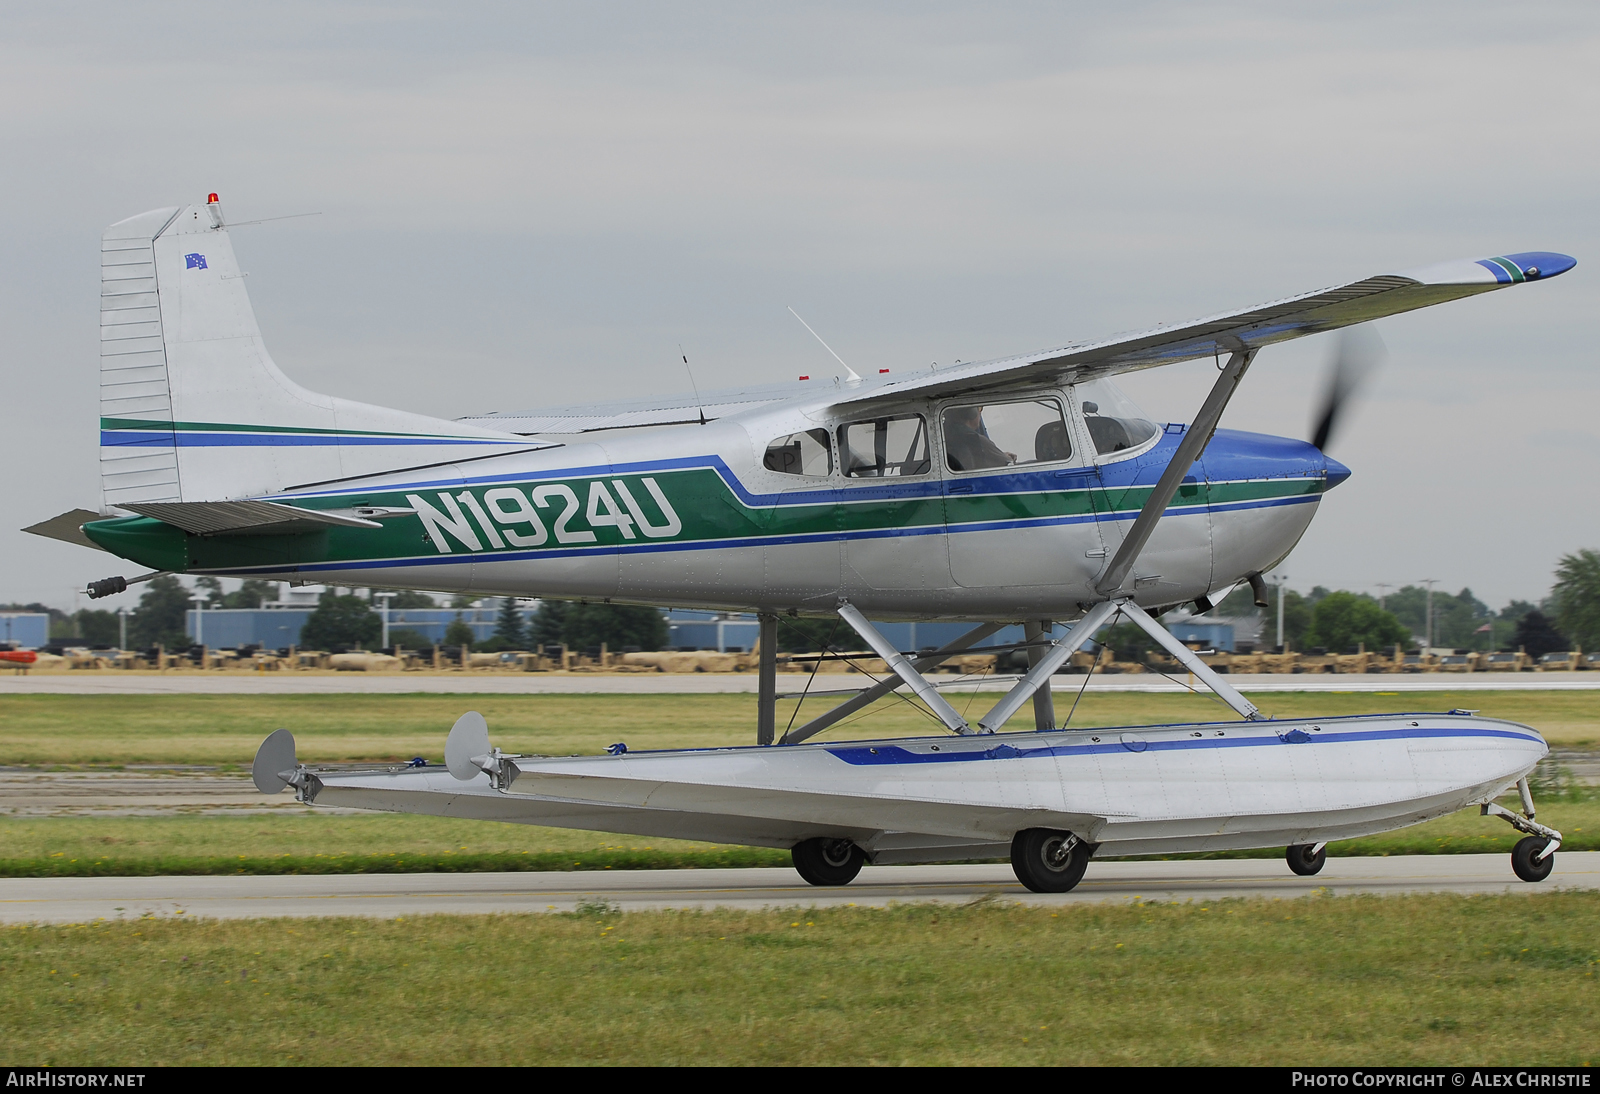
[[1022, 489]]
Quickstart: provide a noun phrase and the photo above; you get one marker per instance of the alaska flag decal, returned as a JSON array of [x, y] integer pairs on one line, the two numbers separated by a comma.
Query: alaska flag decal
[[194, 262]]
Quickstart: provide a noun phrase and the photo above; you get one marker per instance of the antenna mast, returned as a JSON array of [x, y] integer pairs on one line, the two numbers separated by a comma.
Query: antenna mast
[[853, 377]]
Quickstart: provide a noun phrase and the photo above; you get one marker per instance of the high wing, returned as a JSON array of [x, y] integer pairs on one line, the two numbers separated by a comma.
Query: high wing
[[1217, 335], [1249, 329]]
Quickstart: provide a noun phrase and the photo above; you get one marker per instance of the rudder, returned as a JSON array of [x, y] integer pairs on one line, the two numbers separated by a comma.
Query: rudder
[[193, 408]]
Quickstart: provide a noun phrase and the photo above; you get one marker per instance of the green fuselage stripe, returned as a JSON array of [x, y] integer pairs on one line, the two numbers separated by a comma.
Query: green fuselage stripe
[[708, 510]]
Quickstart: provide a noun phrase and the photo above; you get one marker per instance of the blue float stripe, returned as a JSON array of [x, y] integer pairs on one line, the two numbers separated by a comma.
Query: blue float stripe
[[889, 755]]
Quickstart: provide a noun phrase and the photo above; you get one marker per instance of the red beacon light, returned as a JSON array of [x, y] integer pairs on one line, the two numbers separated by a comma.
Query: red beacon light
[[805, 377], [211, 199], [881, 371]]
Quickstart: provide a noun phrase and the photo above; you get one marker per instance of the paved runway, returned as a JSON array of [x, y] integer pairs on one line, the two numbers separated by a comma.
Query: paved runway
[[544, 683], [68, 900]]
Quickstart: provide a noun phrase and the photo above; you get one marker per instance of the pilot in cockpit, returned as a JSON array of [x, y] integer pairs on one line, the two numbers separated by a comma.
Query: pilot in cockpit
[[967, 445]]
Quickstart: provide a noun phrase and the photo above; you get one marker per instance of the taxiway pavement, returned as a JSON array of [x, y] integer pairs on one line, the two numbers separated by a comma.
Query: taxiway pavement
[[77, 900]]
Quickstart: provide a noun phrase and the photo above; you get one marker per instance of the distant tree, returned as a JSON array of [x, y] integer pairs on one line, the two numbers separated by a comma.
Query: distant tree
[[210, 588], [462, 600], [97, 628], [55, 614], [459, 633], [1456, 618], [341, 623], [406, 638], [615, 625], [1537, 635], [251, 594], [549, 623], [1341, 620], [61, 624], [409, 598], [509, 628], [796, 635], [1576, 597], [1127, 642], [159, 619]]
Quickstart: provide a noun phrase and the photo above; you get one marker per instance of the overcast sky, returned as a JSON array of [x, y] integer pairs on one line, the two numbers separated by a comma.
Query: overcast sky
[[528, 205]]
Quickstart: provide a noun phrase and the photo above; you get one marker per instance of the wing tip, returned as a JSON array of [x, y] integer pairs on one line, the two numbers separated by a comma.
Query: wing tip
[[1497, 270]]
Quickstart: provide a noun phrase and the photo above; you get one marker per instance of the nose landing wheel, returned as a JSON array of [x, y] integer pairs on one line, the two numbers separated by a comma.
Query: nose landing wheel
[[823, 861], [1525, 860]]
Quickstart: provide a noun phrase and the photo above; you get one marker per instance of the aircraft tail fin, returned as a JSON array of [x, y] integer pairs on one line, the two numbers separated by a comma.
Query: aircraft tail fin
[[192, 407]]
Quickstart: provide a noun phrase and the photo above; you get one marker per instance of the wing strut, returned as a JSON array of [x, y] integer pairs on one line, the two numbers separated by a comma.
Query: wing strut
[[877, 691], [1193, 443]]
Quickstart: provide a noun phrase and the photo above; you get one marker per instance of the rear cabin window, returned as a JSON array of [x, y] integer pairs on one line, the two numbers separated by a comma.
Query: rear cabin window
[[806, 453], [884, 448], [980, 435]]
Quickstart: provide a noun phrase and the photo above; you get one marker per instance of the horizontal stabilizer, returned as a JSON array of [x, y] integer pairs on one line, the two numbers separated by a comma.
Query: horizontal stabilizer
[[209, 518], [275, 762], [68, 528]]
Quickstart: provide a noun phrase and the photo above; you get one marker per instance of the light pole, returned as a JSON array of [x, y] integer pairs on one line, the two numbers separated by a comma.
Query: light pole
[[383, 610], [1427, 624], [199, 620], [122, 627]]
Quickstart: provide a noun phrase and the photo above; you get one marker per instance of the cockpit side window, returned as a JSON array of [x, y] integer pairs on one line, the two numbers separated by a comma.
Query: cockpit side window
[[1115, 424], [807, 453], [981, 435], [882, 448]]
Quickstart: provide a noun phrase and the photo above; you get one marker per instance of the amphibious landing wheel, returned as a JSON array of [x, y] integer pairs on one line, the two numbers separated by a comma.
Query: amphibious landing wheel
[[1047, 861], [1525, 862], [823, 861], [1303, 862]]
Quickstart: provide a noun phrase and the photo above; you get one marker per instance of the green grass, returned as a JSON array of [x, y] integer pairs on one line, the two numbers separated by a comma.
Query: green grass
[[294, 842], [1443, 980], [74, 730]]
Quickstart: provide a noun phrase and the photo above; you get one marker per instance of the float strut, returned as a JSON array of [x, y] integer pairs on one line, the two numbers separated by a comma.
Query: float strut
[[884, 687], [767, 682], [1053, 658], [1044, 707], [903, 668], [1187, 658]]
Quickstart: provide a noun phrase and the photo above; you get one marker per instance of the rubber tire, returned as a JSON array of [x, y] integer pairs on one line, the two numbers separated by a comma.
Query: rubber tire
[[1523, 863], [1303, 862], [824, 861], [1033, 860]]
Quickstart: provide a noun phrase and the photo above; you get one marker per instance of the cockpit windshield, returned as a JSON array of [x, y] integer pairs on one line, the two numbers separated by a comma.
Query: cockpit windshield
[[1114, 422]]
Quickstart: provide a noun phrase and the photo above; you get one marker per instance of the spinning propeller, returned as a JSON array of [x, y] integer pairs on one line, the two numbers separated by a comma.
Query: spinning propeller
[[1356, 353]]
